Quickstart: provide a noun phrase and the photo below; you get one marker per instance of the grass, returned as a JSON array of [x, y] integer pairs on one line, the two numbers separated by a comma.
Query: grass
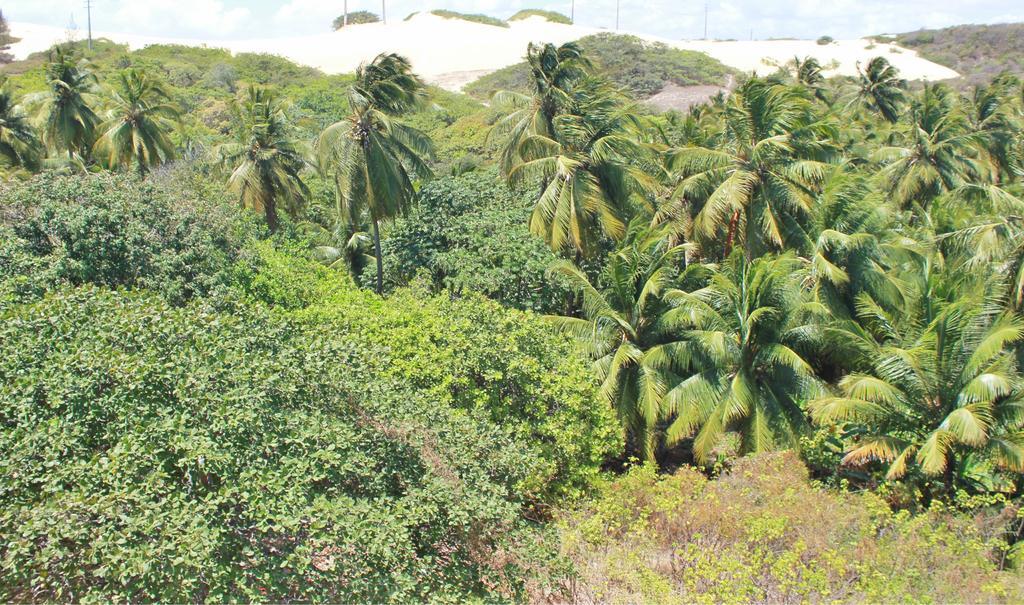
[[474, 18], [552, 16]]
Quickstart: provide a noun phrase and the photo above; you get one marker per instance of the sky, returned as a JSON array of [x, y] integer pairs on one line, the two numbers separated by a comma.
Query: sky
[[674, 19]]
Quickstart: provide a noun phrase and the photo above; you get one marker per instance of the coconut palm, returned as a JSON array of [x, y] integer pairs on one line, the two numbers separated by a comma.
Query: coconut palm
[[372, 155], [808, 72], [554, 71], [265, 162], [743, 346], [621, 326], [938, 155], [754, 182], [935, 391], [135, 133], [993, 114], [590, 171], [19, 146], [849, 254], [879, 89], [69, 123]]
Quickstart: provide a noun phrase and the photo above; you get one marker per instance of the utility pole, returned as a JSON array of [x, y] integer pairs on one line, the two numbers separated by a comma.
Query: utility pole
[[705, 20], [88, 12], [384, 11], [344, 20], [616, 15], [572, 12]]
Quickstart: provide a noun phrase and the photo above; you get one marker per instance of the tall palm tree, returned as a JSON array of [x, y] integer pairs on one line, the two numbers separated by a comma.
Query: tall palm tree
[[754, 182], [588, 169], [879, 89], [935, 391], [373, 155], [70, 124], [622, 326], [135, 133], [554, 71], [743, 347], [938, 155], [266, 164], [849, 253], [993, 114], [18, 143]]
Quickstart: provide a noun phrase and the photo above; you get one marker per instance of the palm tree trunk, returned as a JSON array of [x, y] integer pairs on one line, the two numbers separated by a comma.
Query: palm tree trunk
[[380, 262], [733, 222], [271, 212]]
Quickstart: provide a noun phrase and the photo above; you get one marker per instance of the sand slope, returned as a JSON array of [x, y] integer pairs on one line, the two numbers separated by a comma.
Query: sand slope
[[452, 53]]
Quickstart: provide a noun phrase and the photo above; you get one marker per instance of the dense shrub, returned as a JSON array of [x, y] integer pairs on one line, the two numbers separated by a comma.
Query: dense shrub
[[825, 40], [355, 18], [640, 67], [552, 16], [977, 52], [763, 533], [154, 453], [470, 234], [113, 230], [468, 353], [472, 18]]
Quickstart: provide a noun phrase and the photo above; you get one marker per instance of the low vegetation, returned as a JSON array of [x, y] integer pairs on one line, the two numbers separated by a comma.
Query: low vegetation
[[552, 16], [762, 532], [977, 52], [354, 18], [472, 18], [641, 68]]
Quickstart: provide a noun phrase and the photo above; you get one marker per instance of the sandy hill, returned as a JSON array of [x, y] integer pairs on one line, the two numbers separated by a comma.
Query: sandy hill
[[454, 52]]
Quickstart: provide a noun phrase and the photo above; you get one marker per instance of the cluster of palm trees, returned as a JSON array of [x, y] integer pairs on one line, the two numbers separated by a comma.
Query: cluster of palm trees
[[802, 254], [371, 156], [133, 132]]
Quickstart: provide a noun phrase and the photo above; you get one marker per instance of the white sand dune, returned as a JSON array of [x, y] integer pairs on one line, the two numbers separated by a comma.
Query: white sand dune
[[452, 52]]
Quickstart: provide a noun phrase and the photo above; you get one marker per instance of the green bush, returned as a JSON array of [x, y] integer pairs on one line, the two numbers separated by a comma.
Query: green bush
[[154, 453], [640, 67], [467, 353], [470, 234], [825, 40], [763, 533], [474, 18], [113, 230], [355, 18], [552, 16]]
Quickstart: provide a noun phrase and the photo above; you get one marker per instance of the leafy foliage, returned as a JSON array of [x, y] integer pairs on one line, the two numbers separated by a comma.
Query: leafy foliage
[[114, 231], [155, 453]]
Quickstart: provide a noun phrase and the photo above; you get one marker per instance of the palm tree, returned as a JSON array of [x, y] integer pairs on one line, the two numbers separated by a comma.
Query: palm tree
[[939, 154], [756, 180], [135, 133], [622, 326], [554, 71], [18, 143], [266, 164], [588, 169], [993, 115], [849, 254], [70, 124], [373, 155], [808, 72], [935, 391], [743, 342], [879, 89]]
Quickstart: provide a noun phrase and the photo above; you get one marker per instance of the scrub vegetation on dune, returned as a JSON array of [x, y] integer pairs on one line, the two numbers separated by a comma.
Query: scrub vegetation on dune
[[270, 335]]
